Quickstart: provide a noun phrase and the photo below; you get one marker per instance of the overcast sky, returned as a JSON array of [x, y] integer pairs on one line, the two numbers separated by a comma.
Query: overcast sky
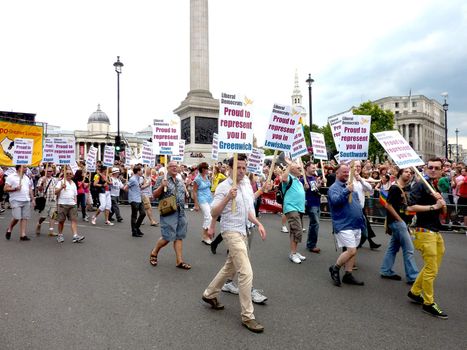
[[57, 56]]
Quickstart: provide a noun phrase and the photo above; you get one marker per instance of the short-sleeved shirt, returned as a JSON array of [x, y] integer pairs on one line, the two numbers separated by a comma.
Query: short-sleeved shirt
[[422, 196], [22, 195], [134, 189], [49, 184], [312, 194], [294, 199], [174, 187], [398, 200], [68, 194], [204, 189]]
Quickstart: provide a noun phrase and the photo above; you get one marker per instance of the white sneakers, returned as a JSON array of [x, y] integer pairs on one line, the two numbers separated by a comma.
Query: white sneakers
[[297, 258], [230, 287], [284, 229], [257, 295]]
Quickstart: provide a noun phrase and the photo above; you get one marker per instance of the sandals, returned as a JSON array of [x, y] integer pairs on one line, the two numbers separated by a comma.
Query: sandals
[[184, 266], [153, 260]]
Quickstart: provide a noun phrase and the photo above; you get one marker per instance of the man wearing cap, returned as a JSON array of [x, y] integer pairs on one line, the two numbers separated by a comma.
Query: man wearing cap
[[115, 186]]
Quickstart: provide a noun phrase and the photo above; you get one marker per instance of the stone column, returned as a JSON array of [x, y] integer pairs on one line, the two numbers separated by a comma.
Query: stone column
[[404, 131], [415, 133], [199, 48]]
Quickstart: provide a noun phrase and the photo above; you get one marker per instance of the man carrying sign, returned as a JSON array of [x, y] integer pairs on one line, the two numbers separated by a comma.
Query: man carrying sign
[[428, 239]]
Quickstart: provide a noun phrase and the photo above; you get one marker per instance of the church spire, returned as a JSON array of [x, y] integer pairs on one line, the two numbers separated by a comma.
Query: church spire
[[296, 95]]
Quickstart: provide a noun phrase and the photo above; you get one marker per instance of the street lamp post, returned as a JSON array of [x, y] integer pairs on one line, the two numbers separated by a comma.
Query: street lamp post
[[457, 145], [445, 108], [118, 68], [310, 81]]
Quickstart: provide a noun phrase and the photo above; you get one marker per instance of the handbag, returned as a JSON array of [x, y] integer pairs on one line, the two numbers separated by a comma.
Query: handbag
[[167, 206], [40, 200]]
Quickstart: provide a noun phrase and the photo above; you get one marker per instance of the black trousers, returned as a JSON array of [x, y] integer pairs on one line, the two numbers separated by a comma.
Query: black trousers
[[136, 219]]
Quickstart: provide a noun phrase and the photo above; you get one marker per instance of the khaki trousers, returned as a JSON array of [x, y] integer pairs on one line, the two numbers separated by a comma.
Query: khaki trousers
[[237, 262]]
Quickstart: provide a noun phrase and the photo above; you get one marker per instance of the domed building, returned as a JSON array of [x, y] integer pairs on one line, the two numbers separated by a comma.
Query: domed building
[[98, 122]]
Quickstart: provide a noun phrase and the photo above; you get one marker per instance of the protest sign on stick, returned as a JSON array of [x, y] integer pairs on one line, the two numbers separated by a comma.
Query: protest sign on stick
[[255, 161], [281, 128], [298, 144], [355, 136], [109, 156], [91, 159], [319, 146], [48, 150], [215, 147], [166, 134], [64, 150], [335, 123], [22, 151], [146, 153], [181, 152]]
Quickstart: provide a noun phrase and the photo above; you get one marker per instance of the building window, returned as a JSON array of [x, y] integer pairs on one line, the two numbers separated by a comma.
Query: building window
[[414, 104], [185, 130], [405, 104], [396, 104], [397, 112], [204, 128], [414, 111]]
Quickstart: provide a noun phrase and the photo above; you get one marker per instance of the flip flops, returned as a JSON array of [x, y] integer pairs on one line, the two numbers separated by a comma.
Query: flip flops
[[184, 266]]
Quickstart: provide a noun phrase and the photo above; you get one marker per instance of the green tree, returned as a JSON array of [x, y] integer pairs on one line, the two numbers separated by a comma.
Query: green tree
[[381, 120]]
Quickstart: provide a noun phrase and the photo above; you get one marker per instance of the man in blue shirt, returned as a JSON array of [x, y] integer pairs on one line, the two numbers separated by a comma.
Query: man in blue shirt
[[134, 198], [348, 222], [293, 207]]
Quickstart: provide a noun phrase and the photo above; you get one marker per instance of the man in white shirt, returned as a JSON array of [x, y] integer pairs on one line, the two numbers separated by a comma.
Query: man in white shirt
[[67, 192], [19, 186], [233, 230]]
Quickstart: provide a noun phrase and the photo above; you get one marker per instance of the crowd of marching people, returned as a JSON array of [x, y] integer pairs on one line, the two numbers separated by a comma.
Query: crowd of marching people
[[416, 204]]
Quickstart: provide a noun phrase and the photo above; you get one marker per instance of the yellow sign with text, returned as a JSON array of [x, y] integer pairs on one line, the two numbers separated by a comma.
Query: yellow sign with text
[[10, 131]]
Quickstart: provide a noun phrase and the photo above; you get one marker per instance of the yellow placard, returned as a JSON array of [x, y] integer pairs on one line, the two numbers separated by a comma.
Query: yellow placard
[[10, 131]]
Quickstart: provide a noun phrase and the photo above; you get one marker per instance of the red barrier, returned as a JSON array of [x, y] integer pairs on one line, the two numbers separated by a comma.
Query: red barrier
[[269, 204]]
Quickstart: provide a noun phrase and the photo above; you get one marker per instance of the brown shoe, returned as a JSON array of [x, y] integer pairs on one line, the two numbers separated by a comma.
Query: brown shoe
[[253, 326], [214, 303], [315, 250]]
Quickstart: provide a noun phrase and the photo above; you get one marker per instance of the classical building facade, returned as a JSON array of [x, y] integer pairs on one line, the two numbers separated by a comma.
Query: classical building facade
[[420, 120], [98, 134]]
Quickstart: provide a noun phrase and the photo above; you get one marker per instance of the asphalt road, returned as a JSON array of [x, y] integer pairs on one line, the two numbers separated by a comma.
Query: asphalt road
[[103, 294]]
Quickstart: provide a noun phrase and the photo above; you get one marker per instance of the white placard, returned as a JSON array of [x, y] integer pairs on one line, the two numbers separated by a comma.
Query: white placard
[[299, 144], [398, 149], [91, 159], [109, 156], [146, 153], [215, 147], [181, 152], [22, 151], [166, 134], [48, 150], [281, 128], [335, 123], [64, 150], [235, 126], [74, 167], [355, 136], [128, 154], [319, 146], [255, 161]]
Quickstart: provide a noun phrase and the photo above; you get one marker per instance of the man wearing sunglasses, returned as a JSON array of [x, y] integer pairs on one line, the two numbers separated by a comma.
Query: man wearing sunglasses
[[428, 239]]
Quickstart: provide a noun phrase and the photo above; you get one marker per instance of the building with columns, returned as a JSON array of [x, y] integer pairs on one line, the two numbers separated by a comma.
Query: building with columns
[[98, 134], [420, 120]]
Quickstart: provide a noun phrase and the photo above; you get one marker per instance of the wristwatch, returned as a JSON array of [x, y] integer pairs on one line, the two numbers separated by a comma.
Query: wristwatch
[[432, 208]]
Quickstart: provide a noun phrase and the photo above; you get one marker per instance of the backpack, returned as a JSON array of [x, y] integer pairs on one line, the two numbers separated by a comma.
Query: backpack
[[279, 195]]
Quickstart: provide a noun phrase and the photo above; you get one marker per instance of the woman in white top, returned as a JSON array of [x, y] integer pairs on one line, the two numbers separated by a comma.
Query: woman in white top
[[19, 186]]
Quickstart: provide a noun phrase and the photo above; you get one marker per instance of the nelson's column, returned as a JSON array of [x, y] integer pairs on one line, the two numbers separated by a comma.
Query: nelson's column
[[199, 111]]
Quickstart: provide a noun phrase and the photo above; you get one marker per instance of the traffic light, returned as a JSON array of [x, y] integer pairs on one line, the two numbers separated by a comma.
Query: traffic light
[[118, 143]]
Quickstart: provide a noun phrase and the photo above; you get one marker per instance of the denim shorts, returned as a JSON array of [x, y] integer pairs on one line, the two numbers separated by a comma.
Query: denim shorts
[[174, 227]]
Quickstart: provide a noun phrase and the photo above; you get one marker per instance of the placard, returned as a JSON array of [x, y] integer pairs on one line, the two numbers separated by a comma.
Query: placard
[[281, 129], [22, 151], [146, 153], [299, 147], [165, 135], [109, 156], [91, 159], [48, 150], [74, 167], [235, 126], [255, 161], [355, 136], [64, 150], [398, 149], [319, 146], [335, 123], [181, 152], [128, 155]]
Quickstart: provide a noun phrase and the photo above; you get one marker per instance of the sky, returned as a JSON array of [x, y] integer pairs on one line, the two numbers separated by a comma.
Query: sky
[[57, 56]]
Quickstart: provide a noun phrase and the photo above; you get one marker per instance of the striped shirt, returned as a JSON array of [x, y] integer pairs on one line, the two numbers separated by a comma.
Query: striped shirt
[[44, 181], [229, 221]]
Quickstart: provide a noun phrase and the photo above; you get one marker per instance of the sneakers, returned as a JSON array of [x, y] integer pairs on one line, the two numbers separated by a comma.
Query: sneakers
[[109, 223], [295, 259], [77, 238], [52, 233], [300, 256], [24, 238], [253, 325], [257, 297], [93, 220], [434, 310], [350, 279], [334, 271], [417, 299], [230, 287], [86, 218], [284, 229], [60, 239]]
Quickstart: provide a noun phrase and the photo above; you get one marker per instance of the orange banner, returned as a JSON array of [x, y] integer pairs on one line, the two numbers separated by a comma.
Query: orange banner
[[10, 131]]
